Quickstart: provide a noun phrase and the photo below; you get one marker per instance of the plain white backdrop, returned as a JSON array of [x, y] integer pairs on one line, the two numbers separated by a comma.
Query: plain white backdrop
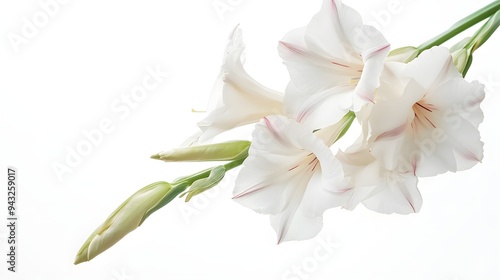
[[77, 70]]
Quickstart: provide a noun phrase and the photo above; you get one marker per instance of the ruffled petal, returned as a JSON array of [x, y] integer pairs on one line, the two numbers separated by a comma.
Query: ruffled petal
[[457, 98], [303, 219], [378, 188], [238, 97], [319, 197], [294, 223], [398, 195], [449, 149], [432, 67]]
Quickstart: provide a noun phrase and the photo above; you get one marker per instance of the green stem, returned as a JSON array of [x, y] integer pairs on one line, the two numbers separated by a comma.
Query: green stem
[[235, 163], [484, 33], [461, 25], [205, 173], [180, 185], [348, 119]]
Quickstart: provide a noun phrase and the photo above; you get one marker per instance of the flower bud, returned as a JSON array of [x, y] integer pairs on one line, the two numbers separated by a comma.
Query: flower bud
[[126, 218], [462, 59], [214, 152]]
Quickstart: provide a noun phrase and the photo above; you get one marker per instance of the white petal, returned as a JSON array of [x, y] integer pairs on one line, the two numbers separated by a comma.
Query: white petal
[[456, 149], [392, 81], [430, 160], [239, 98], [294, 223], [192, 140], [324, 108], [400, 196], [311, 73], [432, 67], [318, 198], [326, 32], [256, 189], [379, 189], [363, 172], [366, 41], [293, 100], [390, 122], [373, 64], [388, 119], [458, 98], [303, 218]]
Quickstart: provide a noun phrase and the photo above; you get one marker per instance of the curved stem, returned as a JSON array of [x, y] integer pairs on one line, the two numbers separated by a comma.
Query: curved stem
[[484, 33], [461, 25]]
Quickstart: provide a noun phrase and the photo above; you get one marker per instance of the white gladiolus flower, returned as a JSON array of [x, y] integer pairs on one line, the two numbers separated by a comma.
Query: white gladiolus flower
[[238, 98], [423, 123], [334, 65], [126, 218], [292, 175], [426, 117]]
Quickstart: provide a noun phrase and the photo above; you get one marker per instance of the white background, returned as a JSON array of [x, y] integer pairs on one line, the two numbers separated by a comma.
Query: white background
[[65, 79]]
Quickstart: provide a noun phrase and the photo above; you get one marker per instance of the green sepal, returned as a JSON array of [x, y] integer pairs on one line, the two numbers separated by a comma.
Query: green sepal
[[463, 50], [201, 185]]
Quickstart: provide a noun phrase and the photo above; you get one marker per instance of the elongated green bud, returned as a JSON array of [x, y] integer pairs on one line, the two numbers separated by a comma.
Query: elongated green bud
[[463, 50], [214, 152], [132, 213], [126, 218], [462, 58]]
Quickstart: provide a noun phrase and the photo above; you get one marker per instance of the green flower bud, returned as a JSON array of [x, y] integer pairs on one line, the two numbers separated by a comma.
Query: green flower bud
[[126, 218], [214, 152], [462, 58]]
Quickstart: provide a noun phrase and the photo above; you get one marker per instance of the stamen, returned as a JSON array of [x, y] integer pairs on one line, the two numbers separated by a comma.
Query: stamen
[[430, 122], [425, 108], [293, 167], [315, 164], [339, 64], [312, 160]]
